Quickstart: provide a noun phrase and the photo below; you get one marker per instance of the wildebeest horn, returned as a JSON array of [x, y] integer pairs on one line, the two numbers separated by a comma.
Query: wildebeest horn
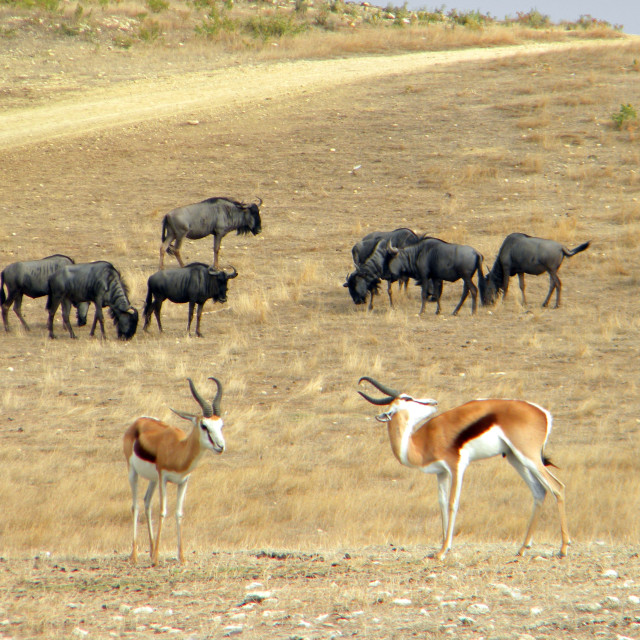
[[392, 394], [233, 274], [259, 201], [207, 409], [216, 401], [392, 249]]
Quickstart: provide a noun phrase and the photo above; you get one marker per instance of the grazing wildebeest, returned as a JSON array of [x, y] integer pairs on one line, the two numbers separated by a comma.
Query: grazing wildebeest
[[436, 260], [30, 279], [520, 254], [97, 282], [196, 283], [214, 216], [369, 256]]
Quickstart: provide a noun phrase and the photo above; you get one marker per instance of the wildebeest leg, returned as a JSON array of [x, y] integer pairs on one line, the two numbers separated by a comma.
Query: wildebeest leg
[[156, 311], [425, 295], [505, 282], [463, 297], [521, 281], [98, 317], [164, 247], [217, 240], [176, 251], [191, 306], [554, 283], [53, 307], [5, 312], [389, 294], [66, 322], [198, 316], [17, 308], [468, 287], [372, 293]]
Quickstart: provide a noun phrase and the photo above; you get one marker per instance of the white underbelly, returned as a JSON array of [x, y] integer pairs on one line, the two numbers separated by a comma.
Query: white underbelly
[[488, 444], [144, 468]]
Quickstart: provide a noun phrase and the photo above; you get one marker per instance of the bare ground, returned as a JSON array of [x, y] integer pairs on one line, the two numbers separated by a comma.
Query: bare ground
[[334, 152]]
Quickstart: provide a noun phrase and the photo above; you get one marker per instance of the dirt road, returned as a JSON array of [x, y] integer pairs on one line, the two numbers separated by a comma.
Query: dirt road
[[116, 104]]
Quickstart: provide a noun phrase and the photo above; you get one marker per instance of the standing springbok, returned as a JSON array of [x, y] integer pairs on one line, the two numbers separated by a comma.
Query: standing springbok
[[447, 443], [162, 453]]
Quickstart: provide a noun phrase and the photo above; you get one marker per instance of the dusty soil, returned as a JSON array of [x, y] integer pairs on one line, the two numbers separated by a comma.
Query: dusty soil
[[371, 593], [335, 149]]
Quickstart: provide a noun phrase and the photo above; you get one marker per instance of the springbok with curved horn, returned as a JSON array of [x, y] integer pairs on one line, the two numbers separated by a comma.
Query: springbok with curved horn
[[162, 453], [447, 443]]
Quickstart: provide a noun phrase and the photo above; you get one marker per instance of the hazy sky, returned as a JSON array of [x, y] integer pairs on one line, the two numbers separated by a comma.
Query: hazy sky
[[624, 12]]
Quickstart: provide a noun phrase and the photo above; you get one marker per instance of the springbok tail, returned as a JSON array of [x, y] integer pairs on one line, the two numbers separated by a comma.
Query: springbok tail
[[578, 249]]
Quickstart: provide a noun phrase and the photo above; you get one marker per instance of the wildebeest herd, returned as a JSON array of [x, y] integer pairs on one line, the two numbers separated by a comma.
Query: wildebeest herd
[[393, 256], [66, 283], [400, 255]]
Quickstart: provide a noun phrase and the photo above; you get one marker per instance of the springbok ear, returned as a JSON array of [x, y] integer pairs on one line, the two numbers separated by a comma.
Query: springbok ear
[[384, 417], [185, 416]]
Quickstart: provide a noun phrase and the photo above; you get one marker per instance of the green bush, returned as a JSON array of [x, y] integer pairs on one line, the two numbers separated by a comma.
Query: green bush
[[157, 6], [276, 26], [625, 116]]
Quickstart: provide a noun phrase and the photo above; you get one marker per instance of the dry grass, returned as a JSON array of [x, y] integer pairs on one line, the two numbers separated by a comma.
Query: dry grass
[[307, 466]]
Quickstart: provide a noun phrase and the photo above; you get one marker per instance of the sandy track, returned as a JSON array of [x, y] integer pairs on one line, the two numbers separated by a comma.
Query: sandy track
[[142, 100]]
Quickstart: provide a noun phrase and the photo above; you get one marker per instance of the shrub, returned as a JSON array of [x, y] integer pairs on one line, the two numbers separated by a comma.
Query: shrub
[[625, 116], [157, 6], [533, 19], [276, 26]]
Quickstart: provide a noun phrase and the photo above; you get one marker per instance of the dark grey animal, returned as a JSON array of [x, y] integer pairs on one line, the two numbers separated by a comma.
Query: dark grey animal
[[520, 254], [215, 216], [30, 279], [98, 282], [437, 260], [196, 283], [369, 256]]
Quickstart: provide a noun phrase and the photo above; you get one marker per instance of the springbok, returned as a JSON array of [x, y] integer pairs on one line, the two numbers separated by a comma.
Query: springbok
[[447, 443], [162, 453]]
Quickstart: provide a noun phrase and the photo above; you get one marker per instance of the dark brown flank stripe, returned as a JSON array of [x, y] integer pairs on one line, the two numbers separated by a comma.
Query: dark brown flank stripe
[[142, 453], [474, 430]]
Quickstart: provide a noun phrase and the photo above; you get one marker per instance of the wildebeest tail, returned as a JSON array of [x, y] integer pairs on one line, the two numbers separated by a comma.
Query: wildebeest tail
[[3, 296], [578, 249], [147, 304]]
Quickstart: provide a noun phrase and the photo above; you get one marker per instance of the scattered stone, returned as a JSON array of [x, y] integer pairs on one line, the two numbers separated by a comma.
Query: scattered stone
[[589, 607], [231, 630], [634, 599], [79, 633], [478, 608], [181, 594], [375, 583], [402, 602], [611, 602], [257, 596], [610, 573], [466, 621], [142, 611], [536, 611], [124, 609]]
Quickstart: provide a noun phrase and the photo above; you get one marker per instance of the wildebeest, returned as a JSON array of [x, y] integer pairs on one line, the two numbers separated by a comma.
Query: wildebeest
[[369, 256], [437, 260], [98, 282], [214, 216], [30, 279], [196, 283], [520, 254]]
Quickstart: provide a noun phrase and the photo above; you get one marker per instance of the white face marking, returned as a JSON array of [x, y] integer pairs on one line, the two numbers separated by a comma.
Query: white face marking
[[211, 434]]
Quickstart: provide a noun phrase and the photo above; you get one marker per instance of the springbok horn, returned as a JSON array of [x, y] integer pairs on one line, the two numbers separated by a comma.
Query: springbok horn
[[207, 409], [216, 401], [378, 401], [392, 394]]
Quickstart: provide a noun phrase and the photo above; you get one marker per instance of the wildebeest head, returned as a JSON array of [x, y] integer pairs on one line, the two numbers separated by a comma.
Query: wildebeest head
[[359, 285], [394, 263], [221, 278], [253, 222], [126, 322], [488, 289]]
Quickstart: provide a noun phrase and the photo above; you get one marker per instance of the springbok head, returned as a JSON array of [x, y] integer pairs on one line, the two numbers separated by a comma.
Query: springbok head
[[418, 408], [209, 423]]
